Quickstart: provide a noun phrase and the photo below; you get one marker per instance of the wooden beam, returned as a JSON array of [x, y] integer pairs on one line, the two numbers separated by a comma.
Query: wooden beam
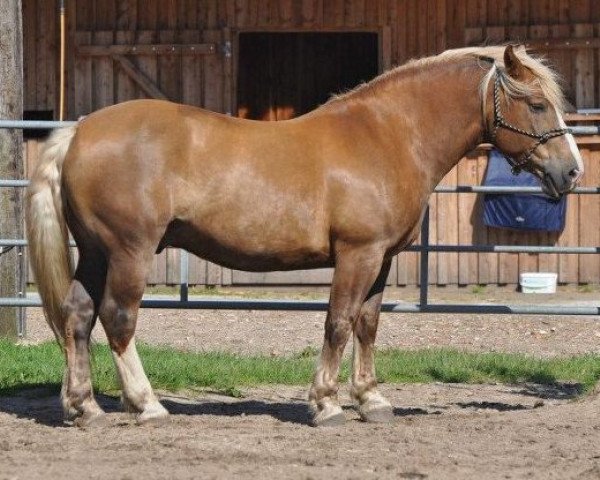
[[154, 49], [147, 85], [562, 43], [11, 161]]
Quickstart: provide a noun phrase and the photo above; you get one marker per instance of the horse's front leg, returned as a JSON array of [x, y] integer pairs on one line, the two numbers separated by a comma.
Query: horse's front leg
[[356, 270], [372, 406]]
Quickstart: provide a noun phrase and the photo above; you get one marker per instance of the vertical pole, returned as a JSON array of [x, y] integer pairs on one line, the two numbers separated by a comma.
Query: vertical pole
[[11, 157], [424, 260], [184, 276], [61, 104]]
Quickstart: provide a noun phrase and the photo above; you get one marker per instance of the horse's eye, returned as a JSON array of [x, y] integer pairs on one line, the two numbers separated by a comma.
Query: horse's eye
[[537, 107]]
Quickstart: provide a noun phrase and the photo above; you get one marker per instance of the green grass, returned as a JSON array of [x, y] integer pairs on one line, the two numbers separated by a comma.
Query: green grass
[[23, 367]]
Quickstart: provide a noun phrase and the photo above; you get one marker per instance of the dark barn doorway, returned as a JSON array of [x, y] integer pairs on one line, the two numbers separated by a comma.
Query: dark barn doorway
[[283, 75]]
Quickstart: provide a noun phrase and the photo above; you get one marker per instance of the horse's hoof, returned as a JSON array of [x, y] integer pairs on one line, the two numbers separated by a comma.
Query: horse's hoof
[[332, 416], [154, 415], [376, 413], [91, 419]]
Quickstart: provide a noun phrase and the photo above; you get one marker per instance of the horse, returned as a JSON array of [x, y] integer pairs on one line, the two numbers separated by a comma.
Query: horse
[[343, 186]]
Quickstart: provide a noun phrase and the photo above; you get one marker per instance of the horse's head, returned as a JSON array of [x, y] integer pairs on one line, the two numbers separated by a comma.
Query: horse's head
[[525, 122]]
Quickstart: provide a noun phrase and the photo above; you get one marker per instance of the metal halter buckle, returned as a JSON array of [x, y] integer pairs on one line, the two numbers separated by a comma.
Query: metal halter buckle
[[499, 122]]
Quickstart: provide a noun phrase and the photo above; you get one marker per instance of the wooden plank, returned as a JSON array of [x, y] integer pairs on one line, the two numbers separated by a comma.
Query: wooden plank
[[147, 65], [241, 13], [474, 36], [447, 231], [163, 49], [83, 80], [142, 81], [412, 16], [169, 69], [496, 13], [333, 13], [568, 264], [433, 228], [475, 14], [487, 262], [29, 55], [496, 34], [105, 15], [192, 77], [264, 12], [45, 57], [213, 76], [70, 87], [579, 11], [102, 73], [584, 69], [148, 15], [126, 15], [372, 12], [423, 29], [466, 262], [385, 49], [456, 19], [516, 12], [83, 15], [589, 233], [125, 86], [562, 60], [252, 15], [398, 22], [563, 43], [441, 39], [228, 80], [431, 26]]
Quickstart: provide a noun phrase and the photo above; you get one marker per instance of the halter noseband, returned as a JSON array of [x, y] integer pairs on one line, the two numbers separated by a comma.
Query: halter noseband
[[499, 122]]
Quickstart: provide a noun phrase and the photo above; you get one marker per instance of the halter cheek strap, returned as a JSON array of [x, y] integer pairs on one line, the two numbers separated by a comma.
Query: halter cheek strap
[[499, 122]]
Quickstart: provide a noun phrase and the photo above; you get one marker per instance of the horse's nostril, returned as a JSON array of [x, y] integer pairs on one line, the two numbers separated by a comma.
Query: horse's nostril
[[574, 173]]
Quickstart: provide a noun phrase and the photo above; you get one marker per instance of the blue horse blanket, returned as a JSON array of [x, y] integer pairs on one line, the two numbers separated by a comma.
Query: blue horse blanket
[[521, 211]]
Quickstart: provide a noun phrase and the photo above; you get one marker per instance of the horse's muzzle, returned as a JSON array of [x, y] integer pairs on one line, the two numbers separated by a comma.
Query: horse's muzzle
[[559, 178]]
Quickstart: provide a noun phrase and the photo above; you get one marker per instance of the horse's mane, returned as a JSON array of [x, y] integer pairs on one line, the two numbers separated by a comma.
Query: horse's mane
[[546, 79]]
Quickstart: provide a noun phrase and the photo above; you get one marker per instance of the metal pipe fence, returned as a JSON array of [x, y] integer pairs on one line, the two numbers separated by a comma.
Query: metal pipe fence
[[300, 305]]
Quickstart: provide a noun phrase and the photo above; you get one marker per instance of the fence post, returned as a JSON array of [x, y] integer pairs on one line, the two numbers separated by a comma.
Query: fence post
[[424, 261], [11, 159]]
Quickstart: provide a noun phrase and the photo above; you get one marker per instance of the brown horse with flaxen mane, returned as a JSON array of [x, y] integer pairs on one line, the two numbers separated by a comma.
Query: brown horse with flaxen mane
[[343, 186]]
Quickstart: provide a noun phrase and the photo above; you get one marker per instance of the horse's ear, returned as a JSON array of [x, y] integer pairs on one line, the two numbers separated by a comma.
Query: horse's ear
[[513, 65]]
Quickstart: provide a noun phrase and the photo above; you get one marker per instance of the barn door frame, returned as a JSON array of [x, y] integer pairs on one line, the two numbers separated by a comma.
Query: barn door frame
[[231, 48]]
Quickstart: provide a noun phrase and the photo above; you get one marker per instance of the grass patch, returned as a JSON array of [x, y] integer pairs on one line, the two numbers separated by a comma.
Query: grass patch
[[41, 366]]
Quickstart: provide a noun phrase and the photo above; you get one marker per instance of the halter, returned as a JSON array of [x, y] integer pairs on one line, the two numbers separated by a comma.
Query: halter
[[500, 122]]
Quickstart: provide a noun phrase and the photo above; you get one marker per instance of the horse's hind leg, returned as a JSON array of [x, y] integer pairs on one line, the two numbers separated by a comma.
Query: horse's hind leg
[[80, 310], [355, 273], [372, 406], [125, 284]]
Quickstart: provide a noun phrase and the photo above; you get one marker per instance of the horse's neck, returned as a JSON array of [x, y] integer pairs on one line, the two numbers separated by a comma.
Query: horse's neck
[[448, 119], [435, 113]]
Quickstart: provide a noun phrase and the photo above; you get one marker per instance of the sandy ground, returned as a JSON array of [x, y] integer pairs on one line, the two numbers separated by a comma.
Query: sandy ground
[[440, 431]]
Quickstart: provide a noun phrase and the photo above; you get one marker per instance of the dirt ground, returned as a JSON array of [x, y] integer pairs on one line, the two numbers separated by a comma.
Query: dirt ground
[[440, 431]]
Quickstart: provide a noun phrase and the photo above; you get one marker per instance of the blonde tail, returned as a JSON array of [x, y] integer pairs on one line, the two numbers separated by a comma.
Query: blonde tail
[[47, 232]]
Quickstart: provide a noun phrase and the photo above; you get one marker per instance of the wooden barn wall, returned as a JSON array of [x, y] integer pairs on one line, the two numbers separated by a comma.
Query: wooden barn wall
[[407, 28]]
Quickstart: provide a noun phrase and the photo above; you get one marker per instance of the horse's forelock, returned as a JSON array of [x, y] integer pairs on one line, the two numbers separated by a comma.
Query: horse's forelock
[[547, 80]]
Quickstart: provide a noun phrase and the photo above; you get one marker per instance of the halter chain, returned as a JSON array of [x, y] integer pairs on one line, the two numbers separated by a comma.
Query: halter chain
[[500, 122]]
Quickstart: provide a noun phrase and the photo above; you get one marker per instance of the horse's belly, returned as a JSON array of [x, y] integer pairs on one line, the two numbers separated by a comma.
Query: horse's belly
[[250, 248]]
